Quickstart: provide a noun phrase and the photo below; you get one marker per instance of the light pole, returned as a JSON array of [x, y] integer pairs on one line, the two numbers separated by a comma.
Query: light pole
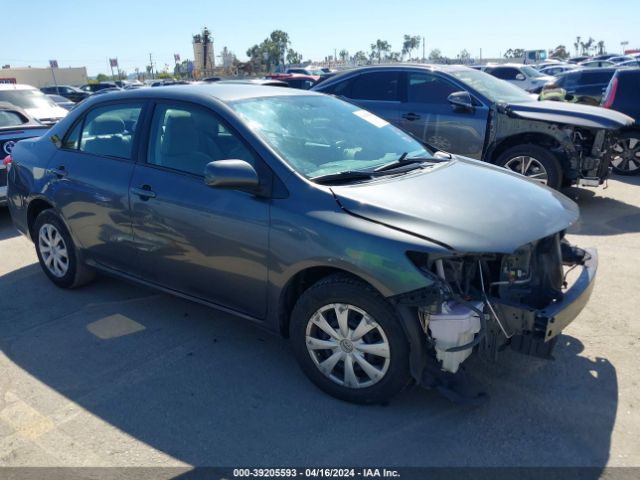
[[623, 44]]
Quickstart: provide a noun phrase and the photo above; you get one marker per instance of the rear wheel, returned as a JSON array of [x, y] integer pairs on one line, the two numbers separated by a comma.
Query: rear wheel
[[349, 341], [533, 162], [625, 154], [57, 253]]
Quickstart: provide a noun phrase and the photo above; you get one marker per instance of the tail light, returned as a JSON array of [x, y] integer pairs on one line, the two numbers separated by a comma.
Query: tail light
[[7, 161], [610, 94]]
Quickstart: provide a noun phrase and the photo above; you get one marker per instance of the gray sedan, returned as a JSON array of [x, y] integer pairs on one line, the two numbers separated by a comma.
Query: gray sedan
[[383, 261]]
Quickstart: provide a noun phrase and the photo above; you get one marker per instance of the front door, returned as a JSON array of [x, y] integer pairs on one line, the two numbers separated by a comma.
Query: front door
[[429, 116], [206, 242]]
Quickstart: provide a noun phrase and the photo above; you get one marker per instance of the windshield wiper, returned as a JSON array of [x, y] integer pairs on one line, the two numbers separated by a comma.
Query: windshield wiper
[[403, 160], [345, 176]]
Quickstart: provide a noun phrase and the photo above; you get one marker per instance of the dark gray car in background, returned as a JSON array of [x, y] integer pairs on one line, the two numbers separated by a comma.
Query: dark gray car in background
[[468, 112], [382, 261]]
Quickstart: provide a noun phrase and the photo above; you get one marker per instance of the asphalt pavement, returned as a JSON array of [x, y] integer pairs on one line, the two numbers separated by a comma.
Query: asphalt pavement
[[117, 375]]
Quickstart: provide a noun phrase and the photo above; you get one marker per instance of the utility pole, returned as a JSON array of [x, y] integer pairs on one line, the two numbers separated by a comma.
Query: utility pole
[[151, 65], [424, 46]]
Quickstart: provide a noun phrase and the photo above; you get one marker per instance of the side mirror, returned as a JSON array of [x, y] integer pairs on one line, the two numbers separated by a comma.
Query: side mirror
[[520, 77], [233, 174], [461, 100]]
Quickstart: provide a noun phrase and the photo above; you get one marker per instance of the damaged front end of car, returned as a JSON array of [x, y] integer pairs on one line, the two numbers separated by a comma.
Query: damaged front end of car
[[578, 135], [484, 303]]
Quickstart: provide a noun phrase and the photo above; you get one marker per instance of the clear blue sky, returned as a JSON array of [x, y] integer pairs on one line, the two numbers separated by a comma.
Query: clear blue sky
[[81, 33]]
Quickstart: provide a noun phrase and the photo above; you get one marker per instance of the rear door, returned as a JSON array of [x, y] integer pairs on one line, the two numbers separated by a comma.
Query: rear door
[[428, 115], [90, 181], [206, 242]]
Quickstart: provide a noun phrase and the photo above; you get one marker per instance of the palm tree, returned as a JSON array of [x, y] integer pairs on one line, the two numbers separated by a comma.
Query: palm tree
[[344, 55], [601, 49], [577, 45]]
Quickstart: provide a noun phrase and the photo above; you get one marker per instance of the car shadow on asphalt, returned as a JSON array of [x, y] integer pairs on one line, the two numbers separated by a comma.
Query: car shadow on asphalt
[[601, 215], [208, 389], [7, 230]]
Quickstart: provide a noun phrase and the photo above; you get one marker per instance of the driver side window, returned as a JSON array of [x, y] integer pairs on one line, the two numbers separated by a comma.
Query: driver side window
[[186, 138], [428, 88]]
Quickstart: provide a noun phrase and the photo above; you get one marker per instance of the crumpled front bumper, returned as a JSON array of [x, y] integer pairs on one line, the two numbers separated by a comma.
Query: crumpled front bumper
[[534, 329], [560, 314]]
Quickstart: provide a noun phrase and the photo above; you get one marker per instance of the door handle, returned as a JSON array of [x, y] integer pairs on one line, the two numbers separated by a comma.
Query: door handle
[[411, 116], [144, 192], [59, 172]]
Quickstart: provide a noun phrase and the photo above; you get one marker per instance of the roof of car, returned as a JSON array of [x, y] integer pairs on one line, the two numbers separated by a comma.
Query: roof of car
[[225, 92], [576, 71]]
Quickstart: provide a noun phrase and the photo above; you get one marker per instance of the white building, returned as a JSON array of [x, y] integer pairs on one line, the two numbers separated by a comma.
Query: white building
[[42, 77]]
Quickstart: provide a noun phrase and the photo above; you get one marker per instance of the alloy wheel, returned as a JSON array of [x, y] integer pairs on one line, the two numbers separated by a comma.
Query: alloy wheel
[[626, 155], [529, 167], [347, 345], [53, 250]]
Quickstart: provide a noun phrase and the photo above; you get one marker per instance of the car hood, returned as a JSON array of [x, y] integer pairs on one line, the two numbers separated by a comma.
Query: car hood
[[464, 205], [569, 114], [544, 79]]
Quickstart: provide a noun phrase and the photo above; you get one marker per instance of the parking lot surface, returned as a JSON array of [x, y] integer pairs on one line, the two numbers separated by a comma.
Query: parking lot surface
[[117, 375]]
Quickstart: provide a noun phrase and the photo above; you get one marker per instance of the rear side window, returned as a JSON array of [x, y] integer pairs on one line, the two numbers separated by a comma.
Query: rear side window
[[504, 73], [9, 118], [589, 78], [383, 86], [428, 88], [109, 130]]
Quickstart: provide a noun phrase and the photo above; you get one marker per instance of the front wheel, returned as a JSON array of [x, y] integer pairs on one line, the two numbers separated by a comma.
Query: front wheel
[[625, 154], [349, 342], [533, 162]]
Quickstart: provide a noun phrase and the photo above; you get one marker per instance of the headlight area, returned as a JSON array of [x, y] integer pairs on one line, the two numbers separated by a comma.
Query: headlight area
[[488, 302]]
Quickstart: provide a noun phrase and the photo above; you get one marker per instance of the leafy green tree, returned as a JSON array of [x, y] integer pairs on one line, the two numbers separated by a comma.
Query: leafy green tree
[[380, 49], [293, 57], [360, 58], [274, 50], [464, 56], [410, 43], [101, 77], [560, 52], [344, 55], [435, 54]]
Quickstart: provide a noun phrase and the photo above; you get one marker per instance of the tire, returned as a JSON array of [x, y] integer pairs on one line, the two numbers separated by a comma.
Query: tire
[[625, 154], [534, 162], [57, 253], [377, 359]]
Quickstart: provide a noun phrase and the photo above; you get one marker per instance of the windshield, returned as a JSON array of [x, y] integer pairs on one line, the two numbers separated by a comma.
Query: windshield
[[491, 87], [320, 135], [531, 72], [26, 98]]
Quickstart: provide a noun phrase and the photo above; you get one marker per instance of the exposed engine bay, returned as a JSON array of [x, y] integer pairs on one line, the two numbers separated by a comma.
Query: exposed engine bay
[[491, 301]]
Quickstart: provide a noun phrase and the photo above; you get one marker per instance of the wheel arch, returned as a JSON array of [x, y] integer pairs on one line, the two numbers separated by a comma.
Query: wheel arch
[[34, 208], [299, 283], [535, 138]]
